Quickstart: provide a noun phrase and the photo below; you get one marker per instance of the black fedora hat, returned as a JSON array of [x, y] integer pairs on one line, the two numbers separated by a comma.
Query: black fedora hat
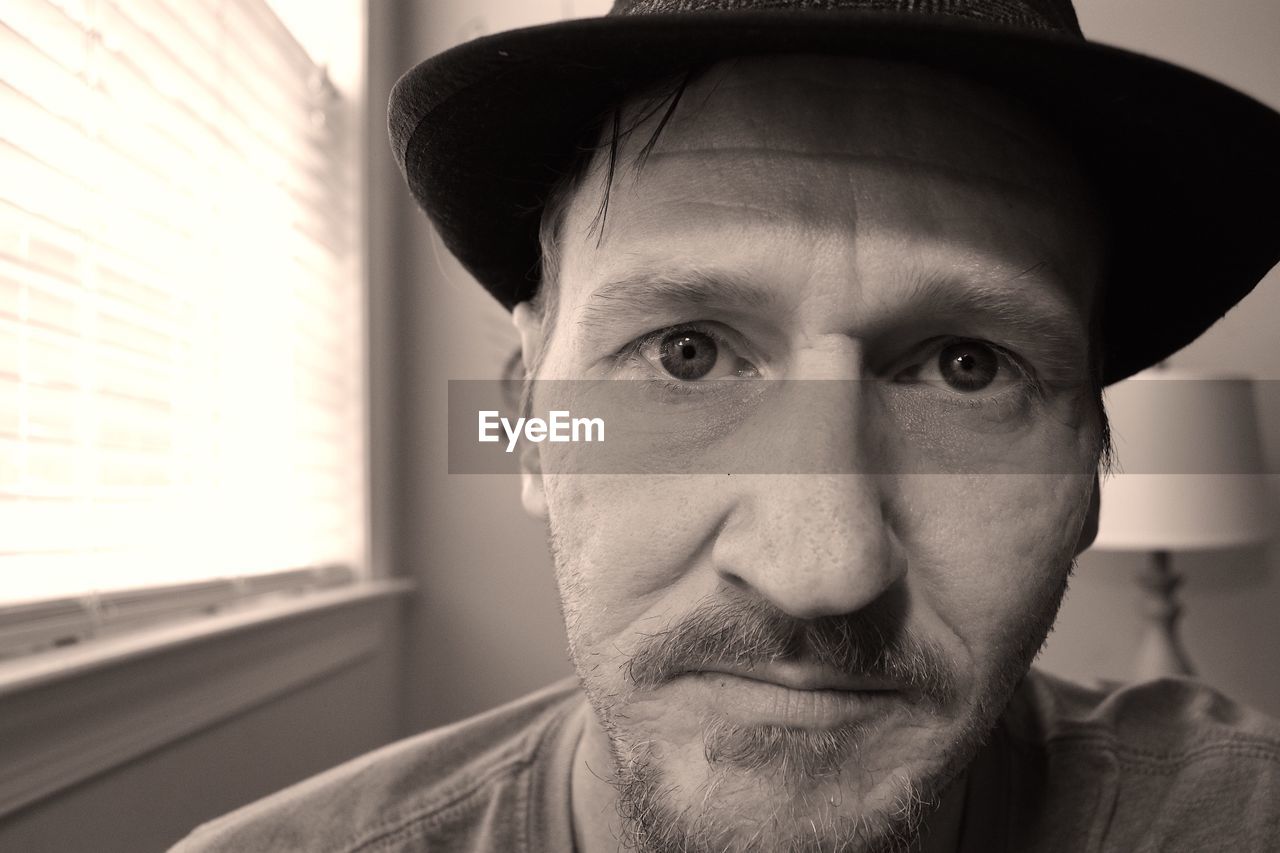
[[1188, 168]]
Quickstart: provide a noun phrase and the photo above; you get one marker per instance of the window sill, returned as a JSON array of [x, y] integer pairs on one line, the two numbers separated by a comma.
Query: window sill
[[69, 714]]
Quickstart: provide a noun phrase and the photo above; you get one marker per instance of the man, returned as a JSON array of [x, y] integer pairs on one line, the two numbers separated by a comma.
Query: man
[[873, 261]]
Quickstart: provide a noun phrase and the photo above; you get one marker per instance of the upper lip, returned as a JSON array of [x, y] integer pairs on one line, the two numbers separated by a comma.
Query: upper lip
[[800, 676]]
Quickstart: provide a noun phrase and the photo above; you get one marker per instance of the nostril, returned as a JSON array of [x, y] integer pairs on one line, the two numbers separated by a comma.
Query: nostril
[[735, 580]]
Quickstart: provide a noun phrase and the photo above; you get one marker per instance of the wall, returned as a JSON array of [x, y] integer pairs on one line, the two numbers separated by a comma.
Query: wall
[[488, 628]]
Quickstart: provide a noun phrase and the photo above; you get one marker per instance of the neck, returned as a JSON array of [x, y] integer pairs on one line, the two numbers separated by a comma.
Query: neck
[[597, 826]]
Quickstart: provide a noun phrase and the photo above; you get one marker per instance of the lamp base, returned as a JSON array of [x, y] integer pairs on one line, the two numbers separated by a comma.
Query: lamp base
[[1160, 651]]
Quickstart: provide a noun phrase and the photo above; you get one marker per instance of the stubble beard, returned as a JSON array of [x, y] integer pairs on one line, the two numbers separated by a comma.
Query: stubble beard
[[808, 777], [658, 817]]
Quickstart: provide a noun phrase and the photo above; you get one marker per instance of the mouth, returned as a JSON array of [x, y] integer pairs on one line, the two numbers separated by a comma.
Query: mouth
[[799, 676], [791, 695]]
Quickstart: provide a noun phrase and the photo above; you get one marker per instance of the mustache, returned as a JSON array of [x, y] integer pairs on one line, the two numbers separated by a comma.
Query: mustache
[[873, 642]]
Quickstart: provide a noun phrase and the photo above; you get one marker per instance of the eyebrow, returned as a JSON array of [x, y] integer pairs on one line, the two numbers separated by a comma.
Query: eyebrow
[[1046, 323], [642, 294]]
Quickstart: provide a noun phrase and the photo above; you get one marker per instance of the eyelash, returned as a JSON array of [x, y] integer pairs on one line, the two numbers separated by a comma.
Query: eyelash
[[935, 345], [1026, 385], [633, 349]]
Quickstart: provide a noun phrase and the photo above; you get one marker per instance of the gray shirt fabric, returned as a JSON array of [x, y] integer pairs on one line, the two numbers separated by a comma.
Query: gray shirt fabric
[[1168, 765]]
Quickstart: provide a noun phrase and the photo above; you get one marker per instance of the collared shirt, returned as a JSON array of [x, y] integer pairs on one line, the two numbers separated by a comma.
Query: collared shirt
[[1168, 765]]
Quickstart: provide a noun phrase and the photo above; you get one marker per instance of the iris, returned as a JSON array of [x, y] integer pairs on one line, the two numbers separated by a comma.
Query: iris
[[688, 355], [968, 365]]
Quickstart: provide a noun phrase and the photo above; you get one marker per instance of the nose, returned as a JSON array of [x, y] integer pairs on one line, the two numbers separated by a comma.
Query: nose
[[820, 541], [812, 545]]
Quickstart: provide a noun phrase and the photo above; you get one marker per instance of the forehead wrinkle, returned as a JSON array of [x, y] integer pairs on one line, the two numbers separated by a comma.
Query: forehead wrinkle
[[642, 210], [965, 175]]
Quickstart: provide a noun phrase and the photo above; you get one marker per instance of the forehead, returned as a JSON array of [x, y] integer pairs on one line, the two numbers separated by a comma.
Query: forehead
[[854, 165]]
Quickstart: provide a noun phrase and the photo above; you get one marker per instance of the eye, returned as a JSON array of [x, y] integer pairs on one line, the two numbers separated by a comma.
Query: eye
[[689, 354], [967, 366]]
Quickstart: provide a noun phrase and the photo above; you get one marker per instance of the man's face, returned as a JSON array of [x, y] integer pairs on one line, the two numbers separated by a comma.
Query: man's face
[[793, 657]]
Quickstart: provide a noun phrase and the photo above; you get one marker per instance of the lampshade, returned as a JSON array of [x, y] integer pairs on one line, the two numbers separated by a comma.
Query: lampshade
[[1190, 462]]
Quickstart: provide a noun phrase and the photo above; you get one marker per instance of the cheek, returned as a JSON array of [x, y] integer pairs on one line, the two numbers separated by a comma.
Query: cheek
[[990, 552], [624, 544]]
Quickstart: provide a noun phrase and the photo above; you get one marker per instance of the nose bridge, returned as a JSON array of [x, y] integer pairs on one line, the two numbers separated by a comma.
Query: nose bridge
[[821, 421]]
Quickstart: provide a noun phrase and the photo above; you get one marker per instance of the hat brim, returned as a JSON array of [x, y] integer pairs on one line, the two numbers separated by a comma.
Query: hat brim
[[1189, 169]]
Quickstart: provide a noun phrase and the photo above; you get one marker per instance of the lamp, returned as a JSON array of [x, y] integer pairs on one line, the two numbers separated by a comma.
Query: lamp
[[1191, 478]]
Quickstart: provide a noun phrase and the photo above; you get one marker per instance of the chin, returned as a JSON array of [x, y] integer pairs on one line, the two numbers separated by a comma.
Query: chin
[[768, 788]]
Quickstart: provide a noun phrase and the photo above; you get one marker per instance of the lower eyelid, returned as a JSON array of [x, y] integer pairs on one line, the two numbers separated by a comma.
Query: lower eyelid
[[1007, 404]]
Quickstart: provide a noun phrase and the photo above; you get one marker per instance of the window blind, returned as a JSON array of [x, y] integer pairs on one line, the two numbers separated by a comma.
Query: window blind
[[181, 304]]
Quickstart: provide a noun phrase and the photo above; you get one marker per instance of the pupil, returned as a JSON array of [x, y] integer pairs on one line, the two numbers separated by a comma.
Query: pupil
[[688, 355], [968, 366]]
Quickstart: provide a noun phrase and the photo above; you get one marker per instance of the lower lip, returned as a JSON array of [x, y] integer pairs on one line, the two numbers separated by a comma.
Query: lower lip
[[766, 702]]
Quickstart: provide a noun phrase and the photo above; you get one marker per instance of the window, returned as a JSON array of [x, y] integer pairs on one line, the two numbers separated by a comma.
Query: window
[[182, 411]]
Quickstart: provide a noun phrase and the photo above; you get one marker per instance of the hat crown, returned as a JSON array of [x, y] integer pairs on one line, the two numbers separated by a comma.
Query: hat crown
[[1053, 15]]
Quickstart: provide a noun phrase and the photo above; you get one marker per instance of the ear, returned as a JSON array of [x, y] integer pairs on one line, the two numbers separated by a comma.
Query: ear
[[1089, 531], [532, 491]]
